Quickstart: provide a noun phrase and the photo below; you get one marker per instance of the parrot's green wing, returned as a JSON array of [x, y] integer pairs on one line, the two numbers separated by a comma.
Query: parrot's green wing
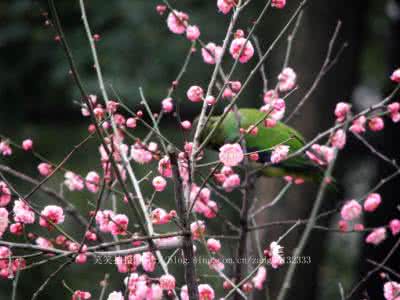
[[264, 142]]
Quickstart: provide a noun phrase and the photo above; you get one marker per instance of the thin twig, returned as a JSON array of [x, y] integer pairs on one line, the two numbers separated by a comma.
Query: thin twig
[[51, 276], [320, 75]]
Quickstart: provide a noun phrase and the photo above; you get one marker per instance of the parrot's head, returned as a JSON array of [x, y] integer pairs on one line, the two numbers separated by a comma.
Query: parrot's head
[[217, 139]]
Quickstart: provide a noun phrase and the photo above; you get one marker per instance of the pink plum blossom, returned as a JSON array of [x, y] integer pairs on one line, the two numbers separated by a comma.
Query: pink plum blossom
[[44, 243], [338, 139], [103, 219], [99, 112], [372, 202], [159, 183], [270, 96], [140, 155], [167, 105], [112, 106], [394, 110], [128, 263], [45, 169], [228, 93], [137, 286], [227, 171], [231, 182], [152, 147], [27, 145], [119, 224], [358, 125], [195, 93], [391, 290], [159, 216], [5, 194], [177, 22], [238, 33], [275, 255], [235, 86], [3, 220], [358, 227], [115, 296], [131, 123], [210, 100], [321, 155], [213, 245], [351, 210], [343, 226], [161, 9], [148, 262], [203, 204], [260, 277], [225, 6], [5, 148], [73, 181], [341, 111], [92, 182], [192, 33], [23, 213], [377, 236], [81, 295], [274, 109], [376, 124], [198, 229], [394, 226], [85, 111], [287, 80], [81, 259], [279, 153], [167, 282], [164, 167], [17, 228], [278, 3], [252, 130], [396, 76], [211, 53], [215, 264], [52, 213], [206, 292], [155, 292], [90, 236], [231, 154], [241, 49], [187, 125]]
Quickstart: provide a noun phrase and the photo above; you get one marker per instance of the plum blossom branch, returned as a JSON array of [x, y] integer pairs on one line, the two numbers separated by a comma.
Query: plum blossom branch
[[126, 163], [374, 151], [49, 278], [307, 231], [56, 196], [374, 270], [329, 131], [325, 67], [251, 75]]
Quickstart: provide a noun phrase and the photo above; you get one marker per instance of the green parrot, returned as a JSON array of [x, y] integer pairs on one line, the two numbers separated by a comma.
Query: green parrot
[[266, 138]]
